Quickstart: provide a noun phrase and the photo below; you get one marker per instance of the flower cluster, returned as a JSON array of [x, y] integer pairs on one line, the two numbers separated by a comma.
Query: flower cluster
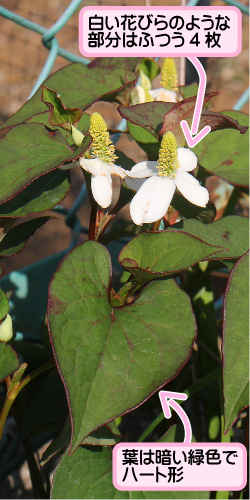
[[154, 182], [168, 91], [101, 163]]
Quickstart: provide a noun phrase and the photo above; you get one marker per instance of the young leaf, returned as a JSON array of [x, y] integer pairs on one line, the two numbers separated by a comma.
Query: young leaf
[[59, 114], [149, 67], [155, 255], [112, 359], [8, 361], [235, 345]]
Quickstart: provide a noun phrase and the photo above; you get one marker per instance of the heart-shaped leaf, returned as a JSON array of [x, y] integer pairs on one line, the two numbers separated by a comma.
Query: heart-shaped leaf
[[42, 194], [235, 345], [154, 255], [8, 361], [112, 359], [28, 151], [231, 232], [89, 475], [225, 153]]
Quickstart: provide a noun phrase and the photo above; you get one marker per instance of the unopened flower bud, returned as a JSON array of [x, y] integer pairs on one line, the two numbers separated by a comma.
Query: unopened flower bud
[[6, 329], [77, 136]]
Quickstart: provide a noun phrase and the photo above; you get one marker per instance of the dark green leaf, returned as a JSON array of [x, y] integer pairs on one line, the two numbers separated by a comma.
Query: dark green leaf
[[29, 151], [236, 342], [42, 194], [89, 475], [155, 255], [146, 141], [225, 153], [231, 232], [8, 361], [4, 305], [189, 90], [150, 68], [78, 87], [111, 360], [16, 238]]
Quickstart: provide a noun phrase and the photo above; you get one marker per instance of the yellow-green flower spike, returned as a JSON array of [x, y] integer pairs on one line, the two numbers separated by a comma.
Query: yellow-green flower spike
[[168, 156], [101, 146], [169, 77]]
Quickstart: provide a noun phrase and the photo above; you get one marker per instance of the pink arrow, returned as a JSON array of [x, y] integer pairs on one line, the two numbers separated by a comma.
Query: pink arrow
[[167, 399], [193, 141]]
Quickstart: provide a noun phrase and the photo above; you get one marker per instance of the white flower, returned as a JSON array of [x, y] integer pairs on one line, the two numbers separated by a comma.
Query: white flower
[[139, 95], [101, 164], [101, 180], [154, 194], [162, 94]]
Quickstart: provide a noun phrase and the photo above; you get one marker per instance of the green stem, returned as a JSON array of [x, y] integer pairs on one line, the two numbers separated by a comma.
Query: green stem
[[13, 393], [203, 382]]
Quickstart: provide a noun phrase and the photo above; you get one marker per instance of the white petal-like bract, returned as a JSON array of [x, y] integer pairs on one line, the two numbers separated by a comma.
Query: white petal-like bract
[[191, 189], [101, 186], [152, 200], [162, 94], [187, 160]]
